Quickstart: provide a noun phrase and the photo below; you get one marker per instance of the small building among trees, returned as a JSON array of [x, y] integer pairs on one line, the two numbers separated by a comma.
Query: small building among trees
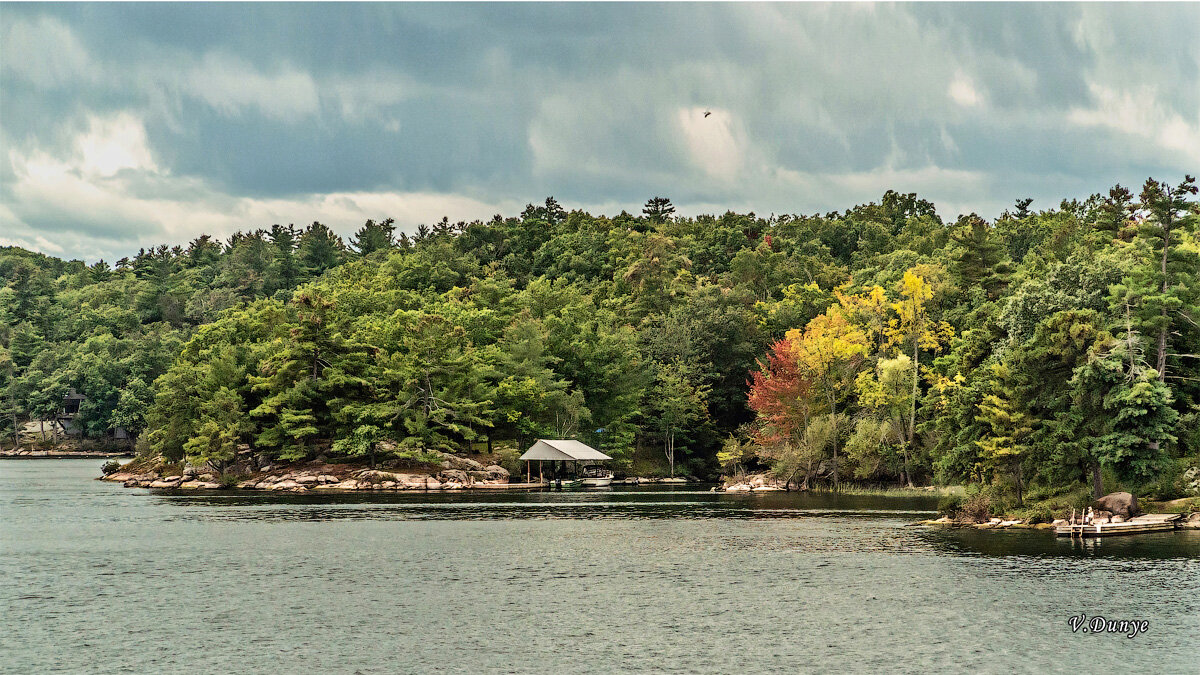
[[556, 451]]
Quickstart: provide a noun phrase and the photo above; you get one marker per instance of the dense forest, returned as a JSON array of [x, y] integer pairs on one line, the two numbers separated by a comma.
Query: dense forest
[[881, 345]]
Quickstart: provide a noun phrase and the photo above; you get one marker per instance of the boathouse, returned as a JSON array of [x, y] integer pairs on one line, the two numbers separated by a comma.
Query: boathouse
[[547, 450]]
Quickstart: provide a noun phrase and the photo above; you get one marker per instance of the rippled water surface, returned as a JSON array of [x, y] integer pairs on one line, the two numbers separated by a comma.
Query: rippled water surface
[[97, 578]]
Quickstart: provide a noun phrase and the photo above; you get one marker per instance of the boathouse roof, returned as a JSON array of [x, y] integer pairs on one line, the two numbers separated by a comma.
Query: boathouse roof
[[562, 449]]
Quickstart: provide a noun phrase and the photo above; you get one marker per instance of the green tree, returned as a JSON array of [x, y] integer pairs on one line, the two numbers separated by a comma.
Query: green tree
[[677, 403], [374, 236]]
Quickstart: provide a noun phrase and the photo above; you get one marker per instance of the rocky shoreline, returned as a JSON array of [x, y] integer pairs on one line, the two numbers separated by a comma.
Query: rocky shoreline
[[1190, 522], [23, 453], [1117, 507], [453, 473]]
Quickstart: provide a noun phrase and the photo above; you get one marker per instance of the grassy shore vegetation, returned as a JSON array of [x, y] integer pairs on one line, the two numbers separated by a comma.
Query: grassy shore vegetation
[[1041, 354]]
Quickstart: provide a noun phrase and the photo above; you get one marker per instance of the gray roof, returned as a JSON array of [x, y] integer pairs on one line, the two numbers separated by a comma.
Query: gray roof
[[568, 450]]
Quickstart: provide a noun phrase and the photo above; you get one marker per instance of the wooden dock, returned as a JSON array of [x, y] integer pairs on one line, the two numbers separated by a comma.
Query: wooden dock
[[1151, 522]]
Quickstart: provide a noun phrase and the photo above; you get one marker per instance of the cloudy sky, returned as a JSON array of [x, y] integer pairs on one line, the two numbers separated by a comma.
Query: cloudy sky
[[126, 125]]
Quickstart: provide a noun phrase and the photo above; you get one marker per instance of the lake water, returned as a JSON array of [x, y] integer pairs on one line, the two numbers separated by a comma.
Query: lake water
[[97, 578]]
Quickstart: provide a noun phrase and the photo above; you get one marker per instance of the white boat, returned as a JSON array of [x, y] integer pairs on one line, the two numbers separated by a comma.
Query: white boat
[[595, 476]]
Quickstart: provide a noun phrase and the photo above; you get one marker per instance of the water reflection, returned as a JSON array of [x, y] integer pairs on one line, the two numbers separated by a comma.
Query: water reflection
[[1043, 543], [635, 504]]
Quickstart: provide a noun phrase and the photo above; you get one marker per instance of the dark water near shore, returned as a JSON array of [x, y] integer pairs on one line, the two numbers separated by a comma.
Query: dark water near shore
[[97, 578]]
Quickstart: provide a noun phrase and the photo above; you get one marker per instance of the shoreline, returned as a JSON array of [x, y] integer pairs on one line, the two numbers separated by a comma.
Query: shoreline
[[452, 473], [63, 454]]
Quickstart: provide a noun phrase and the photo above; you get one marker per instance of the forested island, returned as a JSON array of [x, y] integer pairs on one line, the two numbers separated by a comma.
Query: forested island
[[1042, 358]]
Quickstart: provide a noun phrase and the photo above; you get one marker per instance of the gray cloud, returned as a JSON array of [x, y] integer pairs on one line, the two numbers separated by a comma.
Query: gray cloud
[[226, 116]]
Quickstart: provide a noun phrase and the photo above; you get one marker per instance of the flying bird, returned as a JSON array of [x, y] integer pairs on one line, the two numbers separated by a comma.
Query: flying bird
[[707, 113]]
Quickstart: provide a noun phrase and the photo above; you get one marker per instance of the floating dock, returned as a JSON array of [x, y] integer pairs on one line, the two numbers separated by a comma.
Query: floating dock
[[1151, 522]]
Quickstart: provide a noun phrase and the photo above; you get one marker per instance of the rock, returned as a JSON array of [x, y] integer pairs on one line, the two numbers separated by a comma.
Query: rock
[[452, 485], [266, 468], [1059, 521], [306, 480], [199, 485], [740, 487], [1192, 522], [388, 485], [349, 484], [247, 484], [479, 476], [453, 475], [768, 488], [450, 461], [1101, 517], [132, 482], [1118, 503], [994, 521], [190, 471], [326, 478], [1116, 519], [285, 485], [432, 484], [497, 472], [165, 484], [944, 520], [373, 476], [207, 477], [173, 478]]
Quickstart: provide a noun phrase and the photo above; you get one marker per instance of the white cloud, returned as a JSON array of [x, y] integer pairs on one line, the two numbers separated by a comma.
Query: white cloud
[[962, 91], [231, 85], [1138, 113], [716, 143], [94, 188], [44, 52], [113, 144]]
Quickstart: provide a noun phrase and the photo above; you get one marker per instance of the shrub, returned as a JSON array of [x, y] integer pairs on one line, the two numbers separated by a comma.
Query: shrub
[[950, 505], [976, 508], [228, 480], [1038, 513], [109, 467]]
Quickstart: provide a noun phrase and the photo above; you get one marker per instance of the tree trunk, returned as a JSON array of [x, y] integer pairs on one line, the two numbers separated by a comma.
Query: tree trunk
[[912, 410], [1020, 484], [833, 418], [671, 452], [1097, 481], [1162, 333]]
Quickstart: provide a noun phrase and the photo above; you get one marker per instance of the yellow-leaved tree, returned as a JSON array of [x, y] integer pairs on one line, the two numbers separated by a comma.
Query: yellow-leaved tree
[[913, 329], [829, 352]]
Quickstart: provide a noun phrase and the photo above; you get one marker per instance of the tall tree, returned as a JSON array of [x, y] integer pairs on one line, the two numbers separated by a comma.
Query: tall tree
[[374, 236], [678, 402], [915, 328], [320, 249], [829, 352]]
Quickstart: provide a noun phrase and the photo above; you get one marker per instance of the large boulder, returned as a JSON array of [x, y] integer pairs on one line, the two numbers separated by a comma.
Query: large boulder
[[1118, 503], [453, 476], [497, 473], [373, 476], [460, 463]]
